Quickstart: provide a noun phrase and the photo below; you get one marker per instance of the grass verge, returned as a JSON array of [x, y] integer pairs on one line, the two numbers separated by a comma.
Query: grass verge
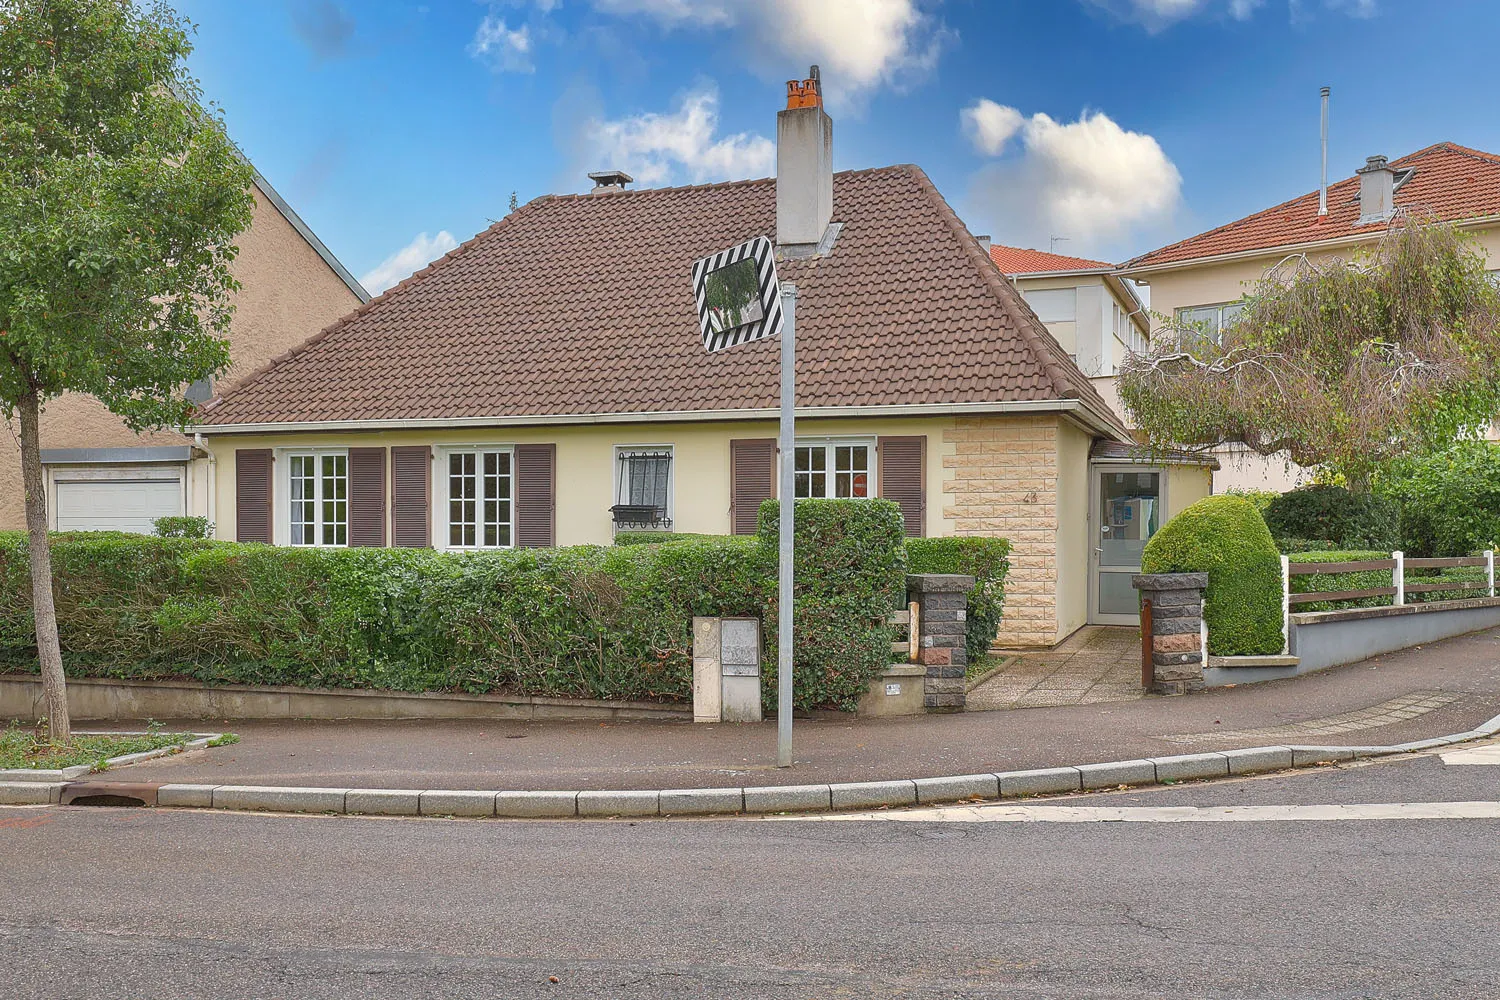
[[25, 748]]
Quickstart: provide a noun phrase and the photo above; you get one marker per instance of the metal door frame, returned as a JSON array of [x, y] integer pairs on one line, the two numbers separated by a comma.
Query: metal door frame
[[1096, 471]]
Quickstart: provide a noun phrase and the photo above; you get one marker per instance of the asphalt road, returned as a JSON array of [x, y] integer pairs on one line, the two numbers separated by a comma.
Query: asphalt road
[[166, 904]]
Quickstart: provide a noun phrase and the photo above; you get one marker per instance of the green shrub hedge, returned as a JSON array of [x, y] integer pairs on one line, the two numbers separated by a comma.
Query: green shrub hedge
[[987, 560], [658, 537], [588, 621], [1449, 503], [850, 574], [1332, 513], [1225, 537], [1340, 581]]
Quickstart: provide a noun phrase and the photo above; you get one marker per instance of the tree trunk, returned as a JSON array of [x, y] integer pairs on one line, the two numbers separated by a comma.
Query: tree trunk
[[54, 685]]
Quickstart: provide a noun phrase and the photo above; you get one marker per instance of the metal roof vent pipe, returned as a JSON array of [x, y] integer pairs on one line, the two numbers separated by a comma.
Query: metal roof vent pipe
[[804, 165], [609, 181], [1377, 191], [1323, 181]]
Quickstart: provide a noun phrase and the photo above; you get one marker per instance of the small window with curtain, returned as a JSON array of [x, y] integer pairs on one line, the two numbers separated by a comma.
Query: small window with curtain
[[1209, 322], [643, 490], [480, 499]]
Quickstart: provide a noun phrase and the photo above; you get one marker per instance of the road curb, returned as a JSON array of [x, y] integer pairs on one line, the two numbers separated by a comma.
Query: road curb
[[769, 799]]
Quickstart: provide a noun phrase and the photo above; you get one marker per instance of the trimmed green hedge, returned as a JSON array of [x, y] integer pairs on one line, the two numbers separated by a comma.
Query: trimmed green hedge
[[1225, 537], [1332, 513], [850, 575], [987, 560], [658, 537], [1368, 580], [588, 621]]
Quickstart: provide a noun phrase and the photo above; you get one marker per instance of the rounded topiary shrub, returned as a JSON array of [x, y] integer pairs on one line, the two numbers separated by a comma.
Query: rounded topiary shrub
[[1225, 537], [1333, 514]]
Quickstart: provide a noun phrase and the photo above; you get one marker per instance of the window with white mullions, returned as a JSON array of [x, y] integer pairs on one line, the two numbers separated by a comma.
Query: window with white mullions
[[643, 491], [833, 469], [480, 493], [318, 496], [1210, 321]]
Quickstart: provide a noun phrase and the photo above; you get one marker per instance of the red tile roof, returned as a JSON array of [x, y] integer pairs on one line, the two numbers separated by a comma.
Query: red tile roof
[[582, 304], [1449, 181], [1014, 260]]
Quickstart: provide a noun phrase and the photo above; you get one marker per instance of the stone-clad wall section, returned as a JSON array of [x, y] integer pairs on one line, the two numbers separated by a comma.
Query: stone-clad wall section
[[1001, 479]]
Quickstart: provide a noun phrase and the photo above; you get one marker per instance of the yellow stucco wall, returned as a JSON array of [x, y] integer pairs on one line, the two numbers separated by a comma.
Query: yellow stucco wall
[[288, 293], [1186, 485], [586, 464], [1072, 528]]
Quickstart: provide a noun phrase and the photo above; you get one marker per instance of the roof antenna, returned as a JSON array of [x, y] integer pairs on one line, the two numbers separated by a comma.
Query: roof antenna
[[1054, 241], [1323, 183]]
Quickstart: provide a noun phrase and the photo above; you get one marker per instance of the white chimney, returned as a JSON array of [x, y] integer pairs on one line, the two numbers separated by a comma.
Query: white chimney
[[804, 164], [1377, 191], [609, 181]]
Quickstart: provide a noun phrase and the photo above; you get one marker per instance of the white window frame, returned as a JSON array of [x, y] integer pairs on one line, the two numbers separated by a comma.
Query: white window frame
[[282, 498], [441, 524], [831, 443], [671, 450], [1217, 332]]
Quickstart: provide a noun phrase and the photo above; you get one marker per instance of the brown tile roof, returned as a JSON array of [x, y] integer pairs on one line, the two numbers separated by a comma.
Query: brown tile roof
[[582, 304], [1451, 182], [1015, 260]]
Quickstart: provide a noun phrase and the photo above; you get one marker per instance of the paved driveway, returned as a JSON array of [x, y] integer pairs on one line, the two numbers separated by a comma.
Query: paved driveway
[[1096, 664]]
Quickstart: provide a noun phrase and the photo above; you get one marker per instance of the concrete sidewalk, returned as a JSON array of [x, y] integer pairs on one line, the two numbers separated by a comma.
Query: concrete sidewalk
[[1443, 688]]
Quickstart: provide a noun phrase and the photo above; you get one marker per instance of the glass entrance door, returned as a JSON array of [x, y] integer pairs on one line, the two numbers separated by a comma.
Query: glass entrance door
[[1128, 511]]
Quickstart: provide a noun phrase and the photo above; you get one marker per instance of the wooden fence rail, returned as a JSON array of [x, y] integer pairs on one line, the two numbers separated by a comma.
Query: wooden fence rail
[[1397, 566]]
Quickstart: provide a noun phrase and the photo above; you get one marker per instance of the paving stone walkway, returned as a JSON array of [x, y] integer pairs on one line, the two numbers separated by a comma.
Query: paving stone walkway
[[1387, 713], [1096, 664]]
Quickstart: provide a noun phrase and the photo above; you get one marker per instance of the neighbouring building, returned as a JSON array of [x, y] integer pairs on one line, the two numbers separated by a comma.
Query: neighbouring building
[[100, 475], [545, 384], [1092, 313], [1200, 280]]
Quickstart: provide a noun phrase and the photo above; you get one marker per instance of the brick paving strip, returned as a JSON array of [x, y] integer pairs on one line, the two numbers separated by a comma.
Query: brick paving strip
[[776, 799]]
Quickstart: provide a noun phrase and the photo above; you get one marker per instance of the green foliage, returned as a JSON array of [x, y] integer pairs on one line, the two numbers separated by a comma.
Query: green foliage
[[850, 575], [1261, 498], [182, 527], [1352, 364], [987, 560], [657, 537], [120, 198], [1332, 513], [730, 291], [21, 748], [1289, 545], [1225, 537], [1449, 502], [594, 622], [1332, 582]]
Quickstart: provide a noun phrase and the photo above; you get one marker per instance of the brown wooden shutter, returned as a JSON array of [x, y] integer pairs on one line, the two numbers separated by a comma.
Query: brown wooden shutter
[[536, 495], [252, 495], [752, 479], [411, 496], [903, 464], [367, 496]]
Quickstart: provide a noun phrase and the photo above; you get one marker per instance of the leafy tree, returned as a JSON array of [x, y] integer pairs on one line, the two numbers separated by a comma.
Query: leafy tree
[[120, 197], [1350, 363], [730, 291], [1449, 502]]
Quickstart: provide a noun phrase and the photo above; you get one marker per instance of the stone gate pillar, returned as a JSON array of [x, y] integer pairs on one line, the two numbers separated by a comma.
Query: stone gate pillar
[[941, 624], [1173, 642]]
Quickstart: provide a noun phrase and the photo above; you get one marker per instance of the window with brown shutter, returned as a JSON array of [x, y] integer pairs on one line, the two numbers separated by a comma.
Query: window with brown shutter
[[411, 497], [367, 496], [536, 495], [752, 479], [902, 467], [252, 494]]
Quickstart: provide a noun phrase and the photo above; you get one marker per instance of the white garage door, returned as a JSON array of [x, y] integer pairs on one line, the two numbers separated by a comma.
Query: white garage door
[[117, 504]]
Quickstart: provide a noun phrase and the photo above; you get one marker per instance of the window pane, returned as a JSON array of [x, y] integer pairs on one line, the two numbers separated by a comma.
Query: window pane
[[303, 500], [462, 489], [334, 493]]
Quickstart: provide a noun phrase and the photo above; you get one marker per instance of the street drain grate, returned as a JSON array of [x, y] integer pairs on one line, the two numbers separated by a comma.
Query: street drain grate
[[109, 793]]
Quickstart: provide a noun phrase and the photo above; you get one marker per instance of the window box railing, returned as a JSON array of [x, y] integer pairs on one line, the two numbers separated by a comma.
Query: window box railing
[[640, 517]]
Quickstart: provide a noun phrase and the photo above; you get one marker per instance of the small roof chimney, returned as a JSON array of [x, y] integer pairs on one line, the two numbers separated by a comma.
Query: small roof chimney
[[609, 181], [804, 164], [1377, 191]]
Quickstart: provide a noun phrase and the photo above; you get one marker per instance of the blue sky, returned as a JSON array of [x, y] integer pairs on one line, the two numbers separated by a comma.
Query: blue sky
[[395, 128]]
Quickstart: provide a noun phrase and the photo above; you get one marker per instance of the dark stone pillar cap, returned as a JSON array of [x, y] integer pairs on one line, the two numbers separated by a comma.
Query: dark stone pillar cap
[[939, 583], [1170, 581]]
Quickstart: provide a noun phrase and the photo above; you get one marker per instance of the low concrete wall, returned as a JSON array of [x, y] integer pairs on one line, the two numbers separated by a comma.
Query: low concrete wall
[[905, 698], [91, 698], [1326, 639]]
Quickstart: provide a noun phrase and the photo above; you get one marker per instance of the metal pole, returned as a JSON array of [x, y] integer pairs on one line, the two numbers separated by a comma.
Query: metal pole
[[788, 492]]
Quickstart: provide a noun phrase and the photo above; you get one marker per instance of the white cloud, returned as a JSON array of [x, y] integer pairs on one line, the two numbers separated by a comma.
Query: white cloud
[[411, 258], [1158, 15], [660, 148], [858, 44], [989, 126], [502, 46], [1089, 180]]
